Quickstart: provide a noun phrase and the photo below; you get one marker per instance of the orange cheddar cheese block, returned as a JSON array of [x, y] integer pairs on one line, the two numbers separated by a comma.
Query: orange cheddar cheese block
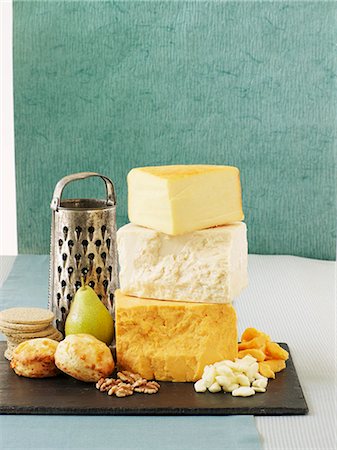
[[172, 341]]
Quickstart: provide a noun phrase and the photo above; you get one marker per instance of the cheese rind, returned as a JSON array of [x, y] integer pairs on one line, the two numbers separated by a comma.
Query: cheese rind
[[171, 341], [184, 198], [207, 266]]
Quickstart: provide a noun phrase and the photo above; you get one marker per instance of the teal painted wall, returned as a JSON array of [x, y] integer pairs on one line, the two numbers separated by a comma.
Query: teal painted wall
[[107, 86]]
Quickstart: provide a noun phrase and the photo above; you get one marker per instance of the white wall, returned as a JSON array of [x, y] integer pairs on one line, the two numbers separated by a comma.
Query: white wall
[[8, 233]]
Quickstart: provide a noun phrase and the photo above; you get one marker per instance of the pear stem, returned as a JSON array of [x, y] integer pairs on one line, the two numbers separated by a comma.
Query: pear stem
[[82, 281]]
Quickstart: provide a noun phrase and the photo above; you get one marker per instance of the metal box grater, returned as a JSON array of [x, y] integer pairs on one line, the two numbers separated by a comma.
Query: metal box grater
[[83, 244]]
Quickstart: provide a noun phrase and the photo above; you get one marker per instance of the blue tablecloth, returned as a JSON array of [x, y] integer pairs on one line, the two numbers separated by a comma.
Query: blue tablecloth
[[27, 285]]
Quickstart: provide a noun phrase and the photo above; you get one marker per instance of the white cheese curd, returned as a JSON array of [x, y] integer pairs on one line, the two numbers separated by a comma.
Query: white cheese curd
[[243, 391], [215, 387], [241, 378], [231, 387], [224, 370], [209, 376], [199, 386], [260, 384], [224, 380], [257, 389]]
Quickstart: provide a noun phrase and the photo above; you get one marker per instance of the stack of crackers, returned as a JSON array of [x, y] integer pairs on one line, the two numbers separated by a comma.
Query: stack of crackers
[[21, 324]]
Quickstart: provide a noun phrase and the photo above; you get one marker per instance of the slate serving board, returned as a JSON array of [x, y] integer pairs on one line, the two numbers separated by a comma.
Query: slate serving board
[[65, 395]]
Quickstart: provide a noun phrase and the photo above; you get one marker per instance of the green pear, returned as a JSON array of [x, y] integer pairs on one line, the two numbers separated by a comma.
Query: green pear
[[88, 315]]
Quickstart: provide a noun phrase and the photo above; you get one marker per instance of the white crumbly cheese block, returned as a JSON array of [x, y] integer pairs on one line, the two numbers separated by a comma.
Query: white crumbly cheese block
[[206, 266]]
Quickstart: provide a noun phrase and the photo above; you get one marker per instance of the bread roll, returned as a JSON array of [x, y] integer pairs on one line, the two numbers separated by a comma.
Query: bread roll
[[84, 357], [35, 358]]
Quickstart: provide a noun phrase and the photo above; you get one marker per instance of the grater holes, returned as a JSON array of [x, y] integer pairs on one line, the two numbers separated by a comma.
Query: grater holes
[[91, 232], [85, 244], [70, 243], [103, 256], [70, 270], [105, 284], [85, 271], [77, 285], [69, 297], [58, 296], [91, 256], [63, 283], [64, 256], [63, 310], [108, 243], [59, 269], [78, 231], [91, 284], [65, 233], [77, 259], [60, 242], [111, 296], [98, 243], [103, 230], [98, 271]]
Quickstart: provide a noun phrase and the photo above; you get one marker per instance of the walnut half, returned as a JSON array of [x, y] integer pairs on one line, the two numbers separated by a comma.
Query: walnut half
[[130, 377], [150, 387], [126, 384]]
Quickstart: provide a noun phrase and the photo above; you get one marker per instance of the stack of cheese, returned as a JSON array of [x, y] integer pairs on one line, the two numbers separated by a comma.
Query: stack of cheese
[[183, 258]]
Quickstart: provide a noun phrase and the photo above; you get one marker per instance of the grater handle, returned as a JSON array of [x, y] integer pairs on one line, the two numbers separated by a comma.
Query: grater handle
[[110, 191]]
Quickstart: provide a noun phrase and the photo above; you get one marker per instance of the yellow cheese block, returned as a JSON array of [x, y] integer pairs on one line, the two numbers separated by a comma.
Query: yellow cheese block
[[172, 341], [180, 199]]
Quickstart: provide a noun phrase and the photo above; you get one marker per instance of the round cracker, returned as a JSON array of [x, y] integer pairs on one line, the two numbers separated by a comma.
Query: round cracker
[[11, 349], [15, 337], [8, 326], [26, 315], [17, 331], [11, 345], [57, 336], [9, 332], [8, 354]]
